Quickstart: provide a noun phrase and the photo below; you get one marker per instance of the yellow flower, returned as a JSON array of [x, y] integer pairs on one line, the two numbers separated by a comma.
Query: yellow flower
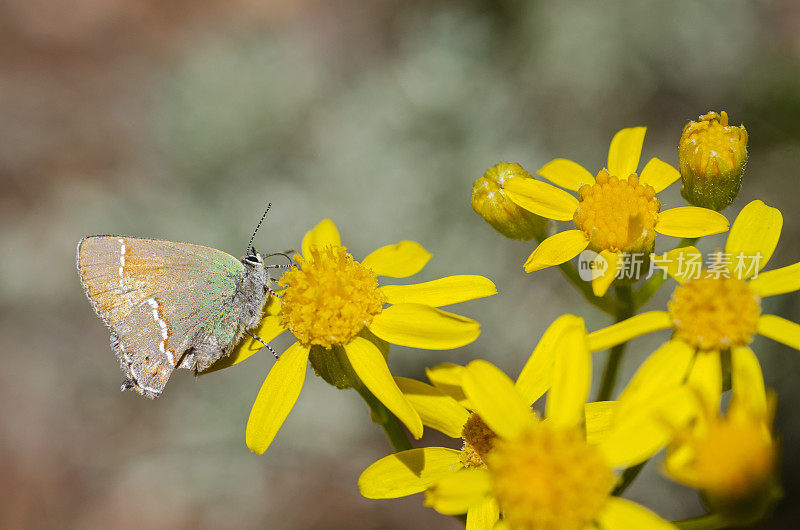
[[541, 474], [737, 479], [334, 306], [614, 214], [444, 407], [711, 157], [709, 312]]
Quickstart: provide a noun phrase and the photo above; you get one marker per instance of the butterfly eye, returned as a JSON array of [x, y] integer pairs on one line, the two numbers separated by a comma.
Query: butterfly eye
[[252, 260]]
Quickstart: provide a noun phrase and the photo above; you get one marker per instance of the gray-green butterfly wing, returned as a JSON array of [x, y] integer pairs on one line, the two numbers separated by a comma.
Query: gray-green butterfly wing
[[161, 300]]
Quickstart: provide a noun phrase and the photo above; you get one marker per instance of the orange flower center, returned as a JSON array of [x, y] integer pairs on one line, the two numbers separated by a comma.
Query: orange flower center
[[715, 313], [618, 214], [329, 298], [732, 469], [548, 479], [478, 441]]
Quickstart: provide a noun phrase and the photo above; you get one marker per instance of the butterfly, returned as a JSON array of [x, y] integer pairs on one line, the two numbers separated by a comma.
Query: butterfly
[[171, 305]]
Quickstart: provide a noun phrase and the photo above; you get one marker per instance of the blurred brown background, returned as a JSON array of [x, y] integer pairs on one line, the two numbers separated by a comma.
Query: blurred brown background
[[182, 119]]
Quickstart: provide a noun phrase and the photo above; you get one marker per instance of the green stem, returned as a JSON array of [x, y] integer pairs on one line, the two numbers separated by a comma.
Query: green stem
[[383, 416], [625, 297], [628, 476], [650, 287], [711, 521]]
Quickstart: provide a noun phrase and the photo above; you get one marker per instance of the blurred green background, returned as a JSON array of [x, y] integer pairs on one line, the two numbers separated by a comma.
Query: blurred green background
[[180, 120]]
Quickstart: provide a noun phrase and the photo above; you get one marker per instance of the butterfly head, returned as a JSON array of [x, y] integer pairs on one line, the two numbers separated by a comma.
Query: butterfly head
[[253, 258]]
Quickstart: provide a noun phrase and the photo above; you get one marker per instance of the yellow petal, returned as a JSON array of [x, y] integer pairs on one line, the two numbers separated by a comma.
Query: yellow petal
[[423, 326], [622, 514], [643, 431], [780, 329], [658, 174], [627, 329], [682, 264], [494, 397], [453, 494], [435, 408], [269, 328], [679, 464], [408, 472], [537, 374], [625, 150], [444, 291], [603, 281], [401, 260], [541, 198], [667, 367], [556, 249], [599, 418], [370, 366], [706, 377], [566, 173], [572, 376], [747, 381], [273, 306], [483, 515], [322, 235], [447, 378], [754, 236], [276, 398], [778, 281], [690, 221]]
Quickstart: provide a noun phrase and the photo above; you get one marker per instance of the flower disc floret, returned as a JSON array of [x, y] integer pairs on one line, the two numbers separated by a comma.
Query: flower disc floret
[[715, 313], [548, 479], [329, 298], [478, 441], [618, 214]]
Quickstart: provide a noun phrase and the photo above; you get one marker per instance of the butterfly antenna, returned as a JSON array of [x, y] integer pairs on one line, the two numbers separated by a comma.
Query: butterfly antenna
[[250, 244]]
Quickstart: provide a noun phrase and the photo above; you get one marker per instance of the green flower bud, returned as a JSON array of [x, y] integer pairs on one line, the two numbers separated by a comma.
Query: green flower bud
[[491, 202], [711, 157]]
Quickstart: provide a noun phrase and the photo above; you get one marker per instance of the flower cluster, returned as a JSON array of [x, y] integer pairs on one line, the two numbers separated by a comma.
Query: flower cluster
[[538, 453]]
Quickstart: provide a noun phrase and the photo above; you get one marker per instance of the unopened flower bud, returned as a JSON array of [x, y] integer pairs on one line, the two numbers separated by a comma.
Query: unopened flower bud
[[490, 201], [712, 156]]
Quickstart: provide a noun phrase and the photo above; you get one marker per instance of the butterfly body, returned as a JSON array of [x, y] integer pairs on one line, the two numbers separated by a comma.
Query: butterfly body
[[170, 305]]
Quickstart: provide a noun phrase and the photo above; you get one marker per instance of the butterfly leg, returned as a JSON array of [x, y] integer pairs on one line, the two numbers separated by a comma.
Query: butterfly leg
[[286, 254], [267, 346], [278, 266]]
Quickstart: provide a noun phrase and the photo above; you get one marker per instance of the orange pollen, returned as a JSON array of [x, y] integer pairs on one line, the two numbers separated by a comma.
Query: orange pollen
[[715, 313], [329, 298], [618, 214]]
